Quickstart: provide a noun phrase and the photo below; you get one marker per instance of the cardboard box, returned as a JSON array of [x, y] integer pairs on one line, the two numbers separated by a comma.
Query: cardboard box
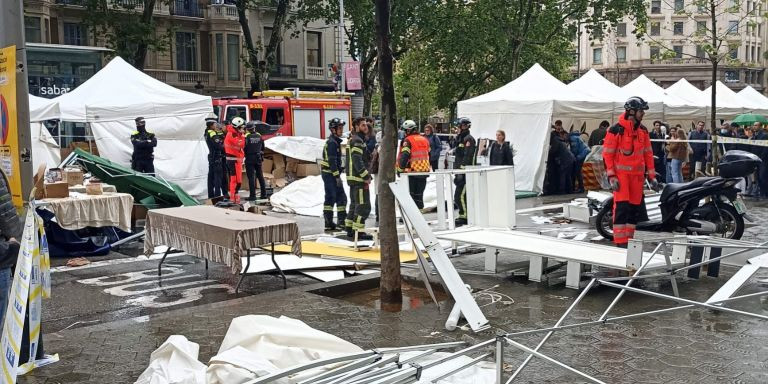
[[279, 183], [257, 209], [291, 165], [73, 176], [266, 165], [304, 170], [278, 173], [55, 190], [279, 161]]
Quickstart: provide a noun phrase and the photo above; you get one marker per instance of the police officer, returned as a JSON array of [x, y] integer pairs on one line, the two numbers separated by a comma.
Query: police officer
[[330, 169], [414, 157], [144, 144], [254, 154], [359, 180], [233, 147], [214, 138], [628, 160], [465, 153]]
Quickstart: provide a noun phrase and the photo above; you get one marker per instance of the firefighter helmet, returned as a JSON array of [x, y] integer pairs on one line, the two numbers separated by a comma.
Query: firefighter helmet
[[408, 125], [238, 122], [465, 121], [336, 123], [636, 103]]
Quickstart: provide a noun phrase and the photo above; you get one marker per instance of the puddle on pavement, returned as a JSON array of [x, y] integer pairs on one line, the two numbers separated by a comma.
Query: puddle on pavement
[[413, 297]]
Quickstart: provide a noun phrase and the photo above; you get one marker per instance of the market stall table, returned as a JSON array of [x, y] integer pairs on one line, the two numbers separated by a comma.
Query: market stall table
[[219, 235], [79, 210]]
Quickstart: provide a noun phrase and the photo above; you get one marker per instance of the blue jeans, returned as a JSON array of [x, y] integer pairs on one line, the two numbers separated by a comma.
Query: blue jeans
[[669, 172], [677, 171], [5, 289]]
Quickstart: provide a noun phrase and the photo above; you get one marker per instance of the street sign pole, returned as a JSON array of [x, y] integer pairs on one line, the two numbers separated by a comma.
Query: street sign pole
[[343, 86], [12, 34]]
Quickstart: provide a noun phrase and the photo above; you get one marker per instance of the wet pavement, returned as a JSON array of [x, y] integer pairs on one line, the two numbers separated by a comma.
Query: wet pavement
[[105, 320]]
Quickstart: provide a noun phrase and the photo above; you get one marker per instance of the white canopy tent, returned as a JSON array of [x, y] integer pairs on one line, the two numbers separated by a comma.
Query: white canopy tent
[[44, 147], [596, 86], [672, 107], [524, 109], [729, 104], [111, 100], [757, 101]]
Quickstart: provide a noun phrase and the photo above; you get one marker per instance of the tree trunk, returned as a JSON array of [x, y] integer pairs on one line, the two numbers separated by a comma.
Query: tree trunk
[[390, 289], [140, 56], [715, 61], [369, 80], [278, 27], [253, 53]]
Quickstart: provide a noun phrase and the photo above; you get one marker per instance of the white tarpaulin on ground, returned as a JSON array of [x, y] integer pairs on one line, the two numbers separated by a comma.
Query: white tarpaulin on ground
[[298, 147], [44, 147], [174, 362], [524, 109], [117, 94], [305, 196]]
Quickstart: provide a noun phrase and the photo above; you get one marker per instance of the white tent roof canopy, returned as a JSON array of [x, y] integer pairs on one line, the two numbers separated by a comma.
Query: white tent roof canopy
[[119, 92], [595, 85], [688, 92], [41, 109], [755, 99]]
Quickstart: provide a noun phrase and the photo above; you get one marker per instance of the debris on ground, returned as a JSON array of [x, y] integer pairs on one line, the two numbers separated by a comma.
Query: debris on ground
[[78, 262]]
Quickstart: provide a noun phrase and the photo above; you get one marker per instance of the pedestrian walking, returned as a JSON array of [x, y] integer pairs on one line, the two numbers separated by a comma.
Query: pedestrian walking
[[359, 180], [435, 146], [214, 139], [761, 135], [234, 143], [330, 170], [678, 155], [628, 161], [465, 154], [500, 150], [414, 158], [659, 160], [700, 150], [598, 135], [144, 143], [580, 152], [254, 156]]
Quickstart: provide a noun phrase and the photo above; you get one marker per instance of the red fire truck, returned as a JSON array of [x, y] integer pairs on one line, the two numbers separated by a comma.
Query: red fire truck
[[287, 113]]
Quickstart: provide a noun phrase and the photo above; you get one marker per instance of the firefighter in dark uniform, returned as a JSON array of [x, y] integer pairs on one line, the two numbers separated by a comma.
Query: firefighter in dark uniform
[[330, 169], [214, 138], [254, 155], [144, 144], [359, 180], [465, 152]]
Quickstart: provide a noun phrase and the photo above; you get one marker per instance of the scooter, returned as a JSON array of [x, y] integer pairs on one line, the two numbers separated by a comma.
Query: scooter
[[704, 206]]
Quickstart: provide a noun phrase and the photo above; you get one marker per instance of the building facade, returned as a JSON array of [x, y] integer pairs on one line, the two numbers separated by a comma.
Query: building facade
[[205, 55], [673, 46]]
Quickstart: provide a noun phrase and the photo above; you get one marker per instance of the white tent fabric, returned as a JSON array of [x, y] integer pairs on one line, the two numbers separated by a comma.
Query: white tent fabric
[[729, 104], [757, 101], [524, 109], [672, 106], [687, 91], [113, 97], [299, 147], [598, 87], [45, 150]]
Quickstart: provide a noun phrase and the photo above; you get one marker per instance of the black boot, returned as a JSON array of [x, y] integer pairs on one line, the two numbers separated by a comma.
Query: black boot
[[341, 218], [364, 236], [350, 233], [460, 222], [329, 225]]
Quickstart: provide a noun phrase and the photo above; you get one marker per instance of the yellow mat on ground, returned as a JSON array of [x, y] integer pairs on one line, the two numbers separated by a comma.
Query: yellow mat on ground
[[315, 248]]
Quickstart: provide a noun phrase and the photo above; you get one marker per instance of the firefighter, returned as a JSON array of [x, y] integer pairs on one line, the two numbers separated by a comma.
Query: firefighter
[[214, 138], [628, 160], [465, 152], [359, 180], [144, 144], [233, 147], [330, 169], [414, 157], [254, 155]]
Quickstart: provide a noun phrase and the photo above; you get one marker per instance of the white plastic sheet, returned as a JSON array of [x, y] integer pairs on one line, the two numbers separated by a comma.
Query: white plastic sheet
[[44, 147], [174, 362], [298, 147]]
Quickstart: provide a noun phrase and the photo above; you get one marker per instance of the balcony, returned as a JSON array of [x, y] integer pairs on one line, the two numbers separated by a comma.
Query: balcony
[[186, 8], [676, 61], [182, 79], [222, 12], [316, 73], [78, 3], [284, 71]]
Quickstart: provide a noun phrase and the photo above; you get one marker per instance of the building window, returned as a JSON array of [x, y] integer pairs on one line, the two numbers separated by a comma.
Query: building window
[[701, 27], [655, 28], [678, 49], [701, 7], [752, 57], [597, 56], [32, 30], [597, 34], [679, 5], [655, 53], [220, 68], [313, 49], [700, 53], [678, 27], [186, 51], [733, 27], [656, 7], [731, 76], [75, 34], [621, 30], [748, 77], [760, 31], [621, 54], [734, 54], [759, 56], [265, 42], [233, 57]]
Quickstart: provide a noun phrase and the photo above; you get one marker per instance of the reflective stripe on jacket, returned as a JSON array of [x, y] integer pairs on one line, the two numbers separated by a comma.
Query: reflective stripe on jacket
[[628, 150], [414, 157]]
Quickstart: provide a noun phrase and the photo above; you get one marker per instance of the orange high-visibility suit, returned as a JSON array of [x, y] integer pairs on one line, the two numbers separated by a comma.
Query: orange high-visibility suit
[[234, 143], [629, 159]]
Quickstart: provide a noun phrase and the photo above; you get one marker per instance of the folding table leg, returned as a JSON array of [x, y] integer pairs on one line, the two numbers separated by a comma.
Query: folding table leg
[[535, 268], [573, 275], [285, 282], [160, 265], [245, 271], [713, 270], [697, 255]]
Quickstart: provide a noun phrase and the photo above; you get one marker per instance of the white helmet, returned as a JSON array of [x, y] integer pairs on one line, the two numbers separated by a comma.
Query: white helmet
[[238, 122], [408, 125]]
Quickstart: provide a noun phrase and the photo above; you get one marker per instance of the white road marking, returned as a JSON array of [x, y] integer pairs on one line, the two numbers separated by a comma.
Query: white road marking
[[105, 263], [187, 296], [124, 278]]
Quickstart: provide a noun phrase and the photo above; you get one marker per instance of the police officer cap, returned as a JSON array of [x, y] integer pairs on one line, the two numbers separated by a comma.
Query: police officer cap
[[636, 103], [336, 123], [139, 121], [465, 120], [250, 125]]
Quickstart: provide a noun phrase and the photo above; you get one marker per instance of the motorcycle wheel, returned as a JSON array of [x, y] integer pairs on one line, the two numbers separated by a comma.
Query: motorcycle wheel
[[732, 220], [604, 221]]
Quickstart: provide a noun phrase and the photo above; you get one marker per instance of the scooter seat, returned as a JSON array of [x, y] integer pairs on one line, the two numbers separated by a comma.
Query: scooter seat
[[673, 188]]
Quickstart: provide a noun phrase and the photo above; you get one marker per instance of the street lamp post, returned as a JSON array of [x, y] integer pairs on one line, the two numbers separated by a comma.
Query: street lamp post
[[406, 99]]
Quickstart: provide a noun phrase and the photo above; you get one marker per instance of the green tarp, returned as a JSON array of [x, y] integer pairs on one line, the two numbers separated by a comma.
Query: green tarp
[[147, 190]]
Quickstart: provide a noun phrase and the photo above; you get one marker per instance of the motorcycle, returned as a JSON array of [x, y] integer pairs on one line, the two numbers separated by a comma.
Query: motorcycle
[[704, 206]]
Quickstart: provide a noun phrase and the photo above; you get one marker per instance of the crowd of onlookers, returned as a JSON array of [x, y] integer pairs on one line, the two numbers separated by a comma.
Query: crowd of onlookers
[[672, 147]]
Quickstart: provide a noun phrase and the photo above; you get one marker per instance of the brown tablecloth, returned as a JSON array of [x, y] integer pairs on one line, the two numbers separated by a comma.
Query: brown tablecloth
[[217, 234], [80, 210]]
